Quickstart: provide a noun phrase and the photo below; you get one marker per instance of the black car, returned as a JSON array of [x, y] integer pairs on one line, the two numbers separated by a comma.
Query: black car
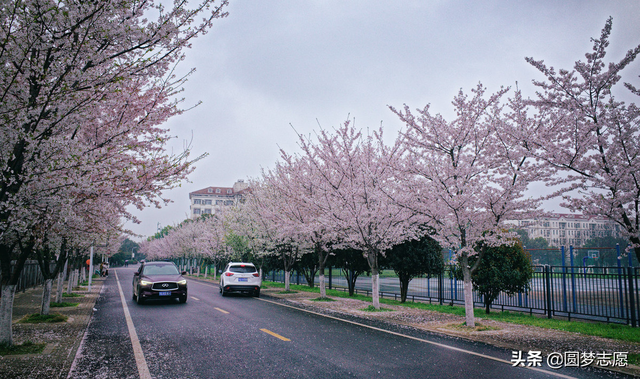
[[159, 280]]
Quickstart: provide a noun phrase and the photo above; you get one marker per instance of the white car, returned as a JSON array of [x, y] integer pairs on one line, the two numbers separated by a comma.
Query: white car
[[240, 277]]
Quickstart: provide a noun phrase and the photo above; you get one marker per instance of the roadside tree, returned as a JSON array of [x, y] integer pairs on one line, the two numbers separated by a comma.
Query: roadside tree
[[505, 268], [468, 176], [590, 138], [357, 179], [414, 258], [352, 263]]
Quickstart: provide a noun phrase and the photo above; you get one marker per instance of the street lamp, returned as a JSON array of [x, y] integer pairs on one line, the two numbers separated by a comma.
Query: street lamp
[[91, 262]]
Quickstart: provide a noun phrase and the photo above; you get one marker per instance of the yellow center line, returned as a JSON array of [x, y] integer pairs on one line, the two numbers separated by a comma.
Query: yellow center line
[[551, 373], [195, 298], [221, 310], [275, 335]]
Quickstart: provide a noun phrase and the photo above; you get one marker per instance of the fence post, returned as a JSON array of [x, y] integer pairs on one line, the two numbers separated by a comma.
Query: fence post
[[564, 280], [440, 289], [632, 298], [330, 276], [573, 280], [547, 290], [620, 288]]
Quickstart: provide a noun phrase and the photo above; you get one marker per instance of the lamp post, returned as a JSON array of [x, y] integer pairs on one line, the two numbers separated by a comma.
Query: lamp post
[[91, 261]]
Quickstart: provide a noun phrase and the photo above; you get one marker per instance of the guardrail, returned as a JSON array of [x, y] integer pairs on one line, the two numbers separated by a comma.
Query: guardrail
[[608, 294]]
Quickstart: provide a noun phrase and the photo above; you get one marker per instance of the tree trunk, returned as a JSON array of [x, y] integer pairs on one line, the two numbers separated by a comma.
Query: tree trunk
[[487, 305], [372, 259], [61, 283], [404, 287], [206, 268], [323, 289], [70, 282], [6, 312], [375, 287], [45, 307], [468, 291], [287, 287], [352, 277]]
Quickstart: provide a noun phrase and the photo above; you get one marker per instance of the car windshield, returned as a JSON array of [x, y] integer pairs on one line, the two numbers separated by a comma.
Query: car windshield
[[242, 269], [160, 270]]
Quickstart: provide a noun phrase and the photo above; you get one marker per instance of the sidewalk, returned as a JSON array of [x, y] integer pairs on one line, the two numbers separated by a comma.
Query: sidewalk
[[62, 339]]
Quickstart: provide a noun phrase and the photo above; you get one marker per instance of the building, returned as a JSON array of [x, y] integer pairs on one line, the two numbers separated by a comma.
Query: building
[[564, 229], [212, 199]]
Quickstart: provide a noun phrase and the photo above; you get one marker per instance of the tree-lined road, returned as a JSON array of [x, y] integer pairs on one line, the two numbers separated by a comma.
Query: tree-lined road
[[244, 337]]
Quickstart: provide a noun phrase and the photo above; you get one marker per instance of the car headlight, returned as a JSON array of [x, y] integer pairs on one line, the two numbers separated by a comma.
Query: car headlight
[[183, 281], [145, 283]]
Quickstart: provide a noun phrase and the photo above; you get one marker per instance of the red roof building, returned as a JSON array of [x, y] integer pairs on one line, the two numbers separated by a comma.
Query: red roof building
[[212, 199]]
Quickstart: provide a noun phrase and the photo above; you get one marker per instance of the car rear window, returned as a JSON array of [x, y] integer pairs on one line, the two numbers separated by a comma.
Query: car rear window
[[160, 270], [242, 269]]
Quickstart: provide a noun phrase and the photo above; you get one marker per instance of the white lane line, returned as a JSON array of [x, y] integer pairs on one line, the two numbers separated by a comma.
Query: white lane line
[[195, 298], [421, 340], [143, 369]]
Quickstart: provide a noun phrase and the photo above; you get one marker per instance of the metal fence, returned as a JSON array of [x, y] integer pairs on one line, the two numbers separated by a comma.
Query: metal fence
[[608, 294]]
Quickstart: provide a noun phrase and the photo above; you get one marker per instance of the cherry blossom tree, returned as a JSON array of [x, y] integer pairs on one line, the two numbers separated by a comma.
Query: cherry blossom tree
[[356, 176], [271, 225], [297, 179], [591, 139], [84, 87], [467, 176]]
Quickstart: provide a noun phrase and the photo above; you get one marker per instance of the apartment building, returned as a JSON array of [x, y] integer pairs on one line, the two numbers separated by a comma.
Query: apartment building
[[564, 229], [212, 199]]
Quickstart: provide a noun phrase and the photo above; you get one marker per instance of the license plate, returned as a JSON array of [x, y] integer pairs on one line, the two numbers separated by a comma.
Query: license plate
[[243, 279], [165, 293]]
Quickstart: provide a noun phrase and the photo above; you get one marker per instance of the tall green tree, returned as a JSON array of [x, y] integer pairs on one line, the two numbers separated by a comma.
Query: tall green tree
[[415, 258], [505, 268], [352, 263]]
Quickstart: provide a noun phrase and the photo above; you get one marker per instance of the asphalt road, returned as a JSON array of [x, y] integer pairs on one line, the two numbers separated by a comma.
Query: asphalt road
[[244, 337]]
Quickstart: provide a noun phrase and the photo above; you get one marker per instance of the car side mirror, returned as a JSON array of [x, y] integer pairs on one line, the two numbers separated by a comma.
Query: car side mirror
[[184, 273], [136, 273]]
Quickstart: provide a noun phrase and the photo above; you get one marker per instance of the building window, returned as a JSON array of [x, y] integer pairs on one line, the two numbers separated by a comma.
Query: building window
[[218, 190], [207, 202], [207, 211], [197, 201], [196, 211], [219, 202], [229, 191], [228, 202], [210, 190]]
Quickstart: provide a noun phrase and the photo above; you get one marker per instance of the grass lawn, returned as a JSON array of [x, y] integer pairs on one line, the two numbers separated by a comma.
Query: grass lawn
[[613, 331], [72, 295], [37, 318], [53, 304], [24, 348]]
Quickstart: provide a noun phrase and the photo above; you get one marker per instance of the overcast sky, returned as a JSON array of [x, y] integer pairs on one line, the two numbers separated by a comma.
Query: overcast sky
[[273, 64]]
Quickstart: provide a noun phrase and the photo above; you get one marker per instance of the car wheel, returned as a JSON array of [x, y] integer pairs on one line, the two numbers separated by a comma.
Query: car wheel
[[139, 299], [134, 297], [183, 299], [223, 292], [256, 293]]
